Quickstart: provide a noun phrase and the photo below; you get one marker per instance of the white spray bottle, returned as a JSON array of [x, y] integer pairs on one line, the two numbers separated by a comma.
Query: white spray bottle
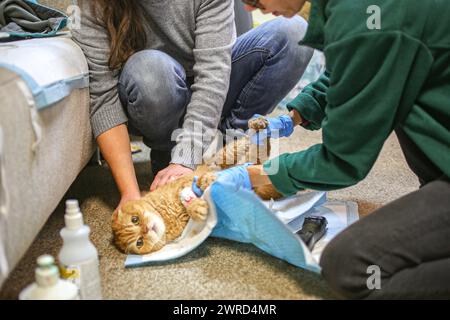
[[78, 256], [48, 285]]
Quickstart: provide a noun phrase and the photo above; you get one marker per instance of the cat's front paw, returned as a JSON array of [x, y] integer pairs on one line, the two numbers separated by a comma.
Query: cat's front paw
[[206, 180], [198, 209]]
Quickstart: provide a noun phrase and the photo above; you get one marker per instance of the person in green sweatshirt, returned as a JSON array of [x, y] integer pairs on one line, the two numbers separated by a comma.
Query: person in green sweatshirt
[[388, 70]]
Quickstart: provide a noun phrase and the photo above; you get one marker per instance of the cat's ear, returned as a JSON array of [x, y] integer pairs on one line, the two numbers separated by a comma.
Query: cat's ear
[[115, 215], [115, 225], [131, 207]]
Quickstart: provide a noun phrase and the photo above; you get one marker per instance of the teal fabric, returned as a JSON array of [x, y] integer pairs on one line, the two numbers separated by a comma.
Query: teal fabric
[[45, 96], [21, 19]]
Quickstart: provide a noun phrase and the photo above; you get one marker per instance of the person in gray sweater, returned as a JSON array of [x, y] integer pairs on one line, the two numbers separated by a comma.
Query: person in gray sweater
[[174, 72]]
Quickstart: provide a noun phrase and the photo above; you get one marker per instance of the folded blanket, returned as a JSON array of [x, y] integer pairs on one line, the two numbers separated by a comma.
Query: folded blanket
[[26, 18]]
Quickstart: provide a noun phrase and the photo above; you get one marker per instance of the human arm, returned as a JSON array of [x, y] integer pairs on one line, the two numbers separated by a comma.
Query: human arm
[[115, 147], [311, 102], [106, 110], [365, 102], [106, 114], [214, 38]]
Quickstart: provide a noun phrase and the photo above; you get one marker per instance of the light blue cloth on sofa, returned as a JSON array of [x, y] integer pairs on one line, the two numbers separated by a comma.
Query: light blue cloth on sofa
[[56, 68]]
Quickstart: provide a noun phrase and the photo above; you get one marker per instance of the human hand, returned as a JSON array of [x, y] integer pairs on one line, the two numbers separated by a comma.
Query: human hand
[[128, 197], [282, 126], [171, 173]]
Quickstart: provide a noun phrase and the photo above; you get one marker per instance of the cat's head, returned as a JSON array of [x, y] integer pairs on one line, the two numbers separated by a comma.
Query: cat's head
[[138, 228]]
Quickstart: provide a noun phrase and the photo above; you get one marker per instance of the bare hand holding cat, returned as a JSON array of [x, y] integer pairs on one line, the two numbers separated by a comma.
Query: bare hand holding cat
[[171, 173], [127, 197]]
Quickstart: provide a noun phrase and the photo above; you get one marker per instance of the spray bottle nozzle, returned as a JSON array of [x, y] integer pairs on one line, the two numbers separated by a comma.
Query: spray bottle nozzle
[[72, 205], [73, 216]]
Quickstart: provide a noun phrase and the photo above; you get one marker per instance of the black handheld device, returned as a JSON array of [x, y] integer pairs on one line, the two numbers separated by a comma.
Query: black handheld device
[[313, 229]]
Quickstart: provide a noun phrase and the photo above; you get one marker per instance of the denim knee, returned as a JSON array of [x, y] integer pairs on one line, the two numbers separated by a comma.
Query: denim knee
[[285, 35], [154, 92]]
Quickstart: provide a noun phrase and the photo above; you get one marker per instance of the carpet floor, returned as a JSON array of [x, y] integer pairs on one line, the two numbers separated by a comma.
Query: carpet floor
[[218, 269]]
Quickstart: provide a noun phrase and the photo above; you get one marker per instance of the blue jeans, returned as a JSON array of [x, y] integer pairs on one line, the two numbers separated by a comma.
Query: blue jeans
[[267, 62]]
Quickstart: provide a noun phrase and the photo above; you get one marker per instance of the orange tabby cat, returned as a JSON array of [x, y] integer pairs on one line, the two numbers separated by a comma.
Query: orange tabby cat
[[146, 225]]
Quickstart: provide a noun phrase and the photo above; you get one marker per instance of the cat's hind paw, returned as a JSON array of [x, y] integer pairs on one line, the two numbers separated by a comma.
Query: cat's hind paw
[[198, 209], [258, 123]]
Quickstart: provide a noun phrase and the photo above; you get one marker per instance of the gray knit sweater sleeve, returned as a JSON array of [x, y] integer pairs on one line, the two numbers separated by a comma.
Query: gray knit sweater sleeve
[[214, 37], [210, 53], [106, 110]]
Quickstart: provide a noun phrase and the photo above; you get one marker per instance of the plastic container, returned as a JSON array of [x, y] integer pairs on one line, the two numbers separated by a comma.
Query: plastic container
[[78, 256], [48, 284]]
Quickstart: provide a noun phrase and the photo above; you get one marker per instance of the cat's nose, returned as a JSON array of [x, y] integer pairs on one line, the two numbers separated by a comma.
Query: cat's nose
[[145, 228]]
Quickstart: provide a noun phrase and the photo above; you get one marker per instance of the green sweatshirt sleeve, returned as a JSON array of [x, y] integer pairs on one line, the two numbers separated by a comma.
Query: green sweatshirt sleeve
[[311, 102], [374, 80]]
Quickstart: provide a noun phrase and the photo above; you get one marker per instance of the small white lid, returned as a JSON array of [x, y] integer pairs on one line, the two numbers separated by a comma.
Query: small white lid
[[73, 217], [47, 274]]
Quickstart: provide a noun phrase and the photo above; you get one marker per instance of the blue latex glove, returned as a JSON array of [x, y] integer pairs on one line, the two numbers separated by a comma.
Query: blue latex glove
[[198, 192], [237, 176], [282, 124]]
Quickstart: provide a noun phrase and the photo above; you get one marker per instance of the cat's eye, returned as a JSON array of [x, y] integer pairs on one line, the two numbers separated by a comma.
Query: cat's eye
[[140, 242], [135, 220]]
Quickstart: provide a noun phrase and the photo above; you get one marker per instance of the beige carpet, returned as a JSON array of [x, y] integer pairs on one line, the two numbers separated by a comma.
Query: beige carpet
[[218, 269]]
